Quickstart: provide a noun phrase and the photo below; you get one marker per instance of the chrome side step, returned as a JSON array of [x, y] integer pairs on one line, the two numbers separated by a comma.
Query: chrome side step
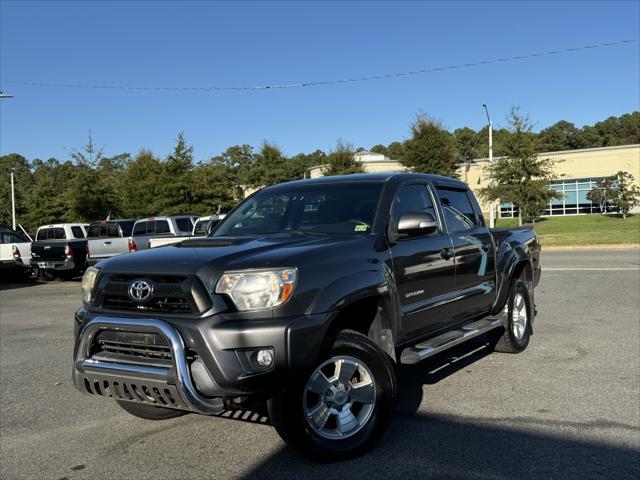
[[447, 340]]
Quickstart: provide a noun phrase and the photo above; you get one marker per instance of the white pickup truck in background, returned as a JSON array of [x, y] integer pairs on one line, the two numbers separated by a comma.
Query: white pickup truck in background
[[108, 238], [15, 253], [202, 227], [155, 231]]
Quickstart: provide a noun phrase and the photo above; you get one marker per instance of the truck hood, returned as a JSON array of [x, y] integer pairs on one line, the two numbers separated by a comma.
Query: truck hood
[[222, 253]]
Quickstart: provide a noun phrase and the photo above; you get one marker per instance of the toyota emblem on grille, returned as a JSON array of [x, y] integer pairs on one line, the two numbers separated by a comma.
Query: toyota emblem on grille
[[140, 290]]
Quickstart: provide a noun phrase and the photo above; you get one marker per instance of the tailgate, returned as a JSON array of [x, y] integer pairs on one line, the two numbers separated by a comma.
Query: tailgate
[[48, 251], [100, 248]]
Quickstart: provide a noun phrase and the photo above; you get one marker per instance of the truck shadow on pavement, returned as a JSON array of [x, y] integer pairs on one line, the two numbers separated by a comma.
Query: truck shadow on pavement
[[441, 446]]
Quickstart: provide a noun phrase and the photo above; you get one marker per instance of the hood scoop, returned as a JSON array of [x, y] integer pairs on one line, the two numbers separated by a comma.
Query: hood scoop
[[207, 242]]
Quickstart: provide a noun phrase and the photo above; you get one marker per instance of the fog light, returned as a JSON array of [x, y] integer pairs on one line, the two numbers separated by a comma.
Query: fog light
[[264, 358]]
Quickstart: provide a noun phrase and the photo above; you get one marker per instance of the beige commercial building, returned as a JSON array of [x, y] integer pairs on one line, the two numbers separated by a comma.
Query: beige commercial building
[[577, 172]]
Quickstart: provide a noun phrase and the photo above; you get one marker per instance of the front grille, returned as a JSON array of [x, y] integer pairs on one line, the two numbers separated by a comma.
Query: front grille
[[141, 345], [130, 346], [172, 294]]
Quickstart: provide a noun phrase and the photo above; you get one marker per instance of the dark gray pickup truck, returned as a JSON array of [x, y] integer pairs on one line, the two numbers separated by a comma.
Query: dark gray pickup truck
[[308, 295]]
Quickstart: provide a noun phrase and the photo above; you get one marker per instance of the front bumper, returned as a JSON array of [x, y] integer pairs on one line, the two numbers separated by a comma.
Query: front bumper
[[222, 348]]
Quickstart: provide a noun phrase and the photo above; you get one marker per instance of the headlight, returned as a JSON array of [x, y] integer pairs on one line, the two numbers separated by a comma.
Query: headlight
[[88, 281], [257, 289]]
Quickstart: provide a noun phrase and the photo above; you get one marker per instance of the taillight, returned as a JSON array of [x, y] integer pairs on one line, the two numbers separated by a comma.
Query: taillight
[[132, 245], [16, 253], [67, 251], [148, 243]]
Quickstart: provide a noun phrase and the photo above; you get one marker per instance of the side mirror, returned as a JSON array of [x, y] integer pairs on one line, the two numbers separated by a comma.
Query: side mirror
[[212, 226], [416, 223]]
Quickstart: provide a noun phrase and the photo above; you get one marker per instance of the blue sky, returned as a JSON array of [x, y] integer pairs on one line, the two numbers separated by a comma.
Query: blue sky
[[185, 44]]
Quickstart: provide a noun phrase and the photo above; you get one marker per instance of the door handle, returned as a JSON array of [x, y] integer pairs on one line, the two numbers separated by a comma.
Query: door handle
[[446, 253], [107, 243]]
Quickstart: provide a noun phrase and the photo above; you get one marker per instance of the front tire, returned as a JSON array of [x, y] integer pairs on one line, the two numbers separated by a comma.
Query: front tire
[[149, 412], [517, 332], [344, 406]]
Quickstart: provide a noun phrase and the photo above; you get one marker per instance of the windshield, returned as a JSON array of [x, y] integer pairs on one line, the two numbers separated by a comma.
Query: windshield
[[343, 208]]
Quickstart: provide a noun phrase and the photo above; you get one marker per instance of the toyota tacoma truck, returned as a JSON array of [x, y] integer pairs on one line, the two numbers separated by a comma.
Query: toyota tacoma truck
[[309, 295], [108, 238], [60, 250]]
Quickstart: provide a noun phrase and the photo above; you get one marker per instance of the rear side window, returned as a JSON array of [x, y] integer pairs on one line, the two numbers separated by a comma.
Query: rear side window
[[12, 238], [184, 224], [112, 231], [77, 232], [140, 228], [51, 234], [162, 226], [201, 228], [93, 231], [458, 209]]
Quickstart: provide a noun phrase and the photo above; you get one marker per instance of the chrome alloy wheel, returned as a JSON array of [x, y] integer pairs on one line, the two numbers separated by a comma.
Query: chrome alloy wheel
[[519, 316], [339, 397]]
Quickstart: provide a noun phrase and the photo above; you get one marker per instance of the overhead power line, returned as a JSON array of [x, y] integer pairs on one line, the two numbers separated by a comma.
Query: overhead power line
[[324, 82]]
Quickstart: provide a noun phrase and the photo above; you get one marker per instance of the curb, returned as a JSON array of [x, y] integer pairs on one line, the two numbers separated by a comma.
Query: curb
[[603, 246]]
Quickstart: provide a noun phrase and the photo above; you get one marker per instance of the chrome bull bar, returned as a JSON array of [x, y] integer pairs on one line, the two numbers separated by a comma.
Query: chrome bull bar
[[158, 386]]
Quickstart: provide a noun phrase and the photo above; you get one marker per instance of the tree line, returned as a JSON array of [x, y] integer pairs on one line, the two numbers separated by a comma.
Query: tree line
[[91, 184]]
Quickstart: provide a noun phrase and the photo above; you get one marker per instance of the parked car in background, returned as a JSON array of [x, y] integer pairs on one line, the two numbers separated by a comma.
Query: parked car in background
[[167, 228], [15, 253], [108, 238], [60, 250], [205, 225]]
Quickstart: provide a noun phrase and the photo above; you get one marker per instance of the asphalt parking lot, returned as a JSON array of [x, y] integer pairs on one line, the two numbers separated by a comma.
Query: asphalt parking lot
[[568, 407]]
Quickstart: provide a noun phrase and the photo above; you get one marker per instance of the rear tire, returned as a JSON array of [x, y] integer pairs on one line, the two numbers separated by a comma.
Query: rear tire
[[149, 412], [337, 423], [514, 338]]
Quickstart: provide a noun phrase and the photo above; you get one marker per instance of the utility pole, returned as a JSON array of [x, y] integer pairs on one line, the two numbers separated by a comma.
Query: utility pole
[[492, 220], [13, 202]]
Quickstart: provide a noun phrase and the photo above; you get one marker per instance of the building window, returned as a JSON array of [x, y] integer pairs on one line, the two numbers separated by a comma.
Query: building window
[[574, 199]]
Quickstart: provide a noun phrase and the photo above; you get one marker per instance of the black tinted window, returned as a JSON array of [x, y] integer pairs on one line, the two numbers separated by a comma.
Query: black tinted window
[[345, 208], [51, 234], [413, 198], [93, 231], [162, 226], [458, 210], [201, 228], [12, 238], [112, 231], [77, 232], [184, 224], [140, 228], [126, 228]]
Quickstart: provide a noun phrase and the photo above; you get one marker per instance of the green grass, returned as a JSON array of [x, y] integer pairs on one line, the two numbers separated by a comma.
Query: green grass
[[584, 230]]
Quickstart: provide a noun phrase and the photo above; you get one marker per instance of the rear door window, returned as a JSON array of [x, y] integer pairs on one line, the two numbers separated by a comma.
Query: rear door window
[[112, 231], [458, 210], [93, 231]]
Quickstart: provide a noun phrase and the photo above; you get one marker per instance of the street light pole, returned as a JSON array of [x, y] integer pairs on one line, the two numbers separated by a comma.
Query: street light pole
[[491, 211], [13, 202]]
